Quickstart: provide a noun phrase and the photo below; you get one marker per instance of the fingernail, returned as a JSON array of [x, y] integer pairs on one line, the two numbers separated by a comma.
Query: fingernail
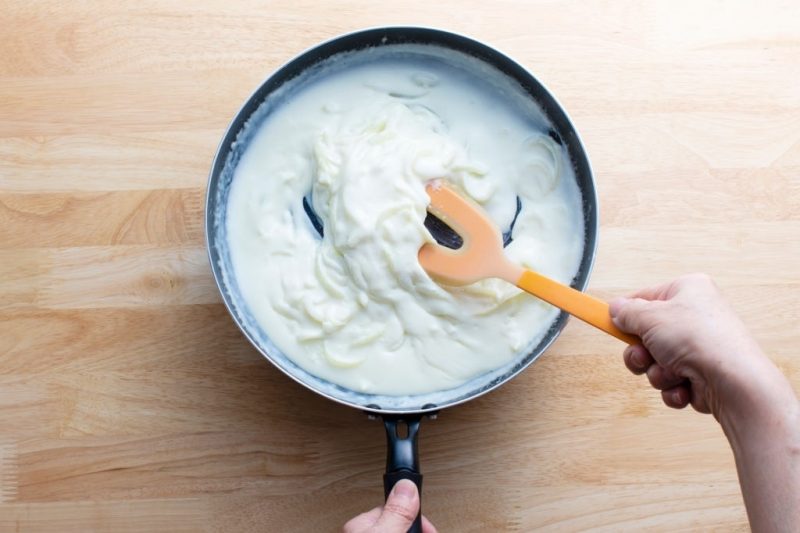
[[615, 305], [404, 490], [676, 397], [636, 359]]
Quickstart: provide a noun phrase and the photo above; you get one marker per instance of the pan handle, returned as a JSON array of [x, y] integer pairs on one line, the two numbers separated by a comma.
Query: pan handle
[[402, 457]]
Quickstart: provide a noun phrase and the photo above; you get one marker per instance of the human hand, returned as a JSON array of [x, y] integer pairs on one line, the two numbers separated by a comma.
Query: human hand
[[694, 347], [396, 515], [696, 350]]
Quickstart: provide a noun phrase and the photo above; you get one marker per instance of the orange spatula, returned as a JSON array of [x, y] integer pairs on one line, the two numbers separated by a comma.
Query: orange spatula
[[481, 256]]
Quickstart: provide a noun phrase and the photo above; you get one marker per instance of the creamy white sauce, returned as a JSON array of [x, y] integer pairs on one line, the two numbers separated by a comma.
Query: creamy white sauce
[[355, 307]]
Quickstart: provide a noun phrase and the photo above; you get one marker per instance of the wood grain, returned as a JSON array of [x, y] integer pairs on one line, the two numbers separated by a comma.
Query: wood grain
[[130, 401]]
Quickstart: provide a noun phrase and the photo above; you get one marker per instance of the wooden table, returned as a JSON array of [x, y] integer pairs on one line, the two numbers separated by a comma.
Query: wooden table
[[130, 402]]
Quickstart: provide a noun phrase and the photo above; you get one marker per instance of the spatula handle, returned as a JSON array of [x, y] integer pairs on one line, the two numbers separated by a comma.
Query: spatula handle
[[578, 304]]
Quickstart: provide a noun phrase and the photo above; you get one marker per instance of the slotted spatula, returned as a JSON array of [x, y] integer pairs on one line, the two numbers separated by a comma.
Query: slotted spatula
[[481, 256]]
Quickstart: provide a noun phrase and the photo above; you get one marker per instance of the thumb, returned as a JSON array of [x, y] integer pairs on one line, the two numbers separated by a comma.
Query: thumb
[[401, 508], [630, 314]]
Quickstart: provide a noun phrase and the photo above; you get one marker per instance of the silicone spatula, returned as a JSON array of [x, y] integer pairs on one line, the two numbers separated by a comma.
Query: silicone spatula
[[481, 256]]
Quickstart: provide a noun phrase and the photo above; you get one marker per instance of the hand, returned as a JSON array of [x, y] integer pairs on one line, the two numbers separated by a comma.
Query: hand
[[696, 350], [694, 347], [396, 515]]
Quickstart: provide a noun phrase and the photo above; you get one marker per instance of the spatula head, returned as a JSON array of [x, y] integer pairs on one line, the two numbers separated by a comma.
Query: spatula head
[[480, 256]]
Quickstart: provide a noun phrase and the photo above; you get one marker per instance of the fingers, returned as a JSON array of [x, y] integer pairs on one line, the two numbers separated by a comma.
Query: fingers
[[667, 290], [658, 292], [637, 359], [700, 402], [661, 378], [674, 389], [677, 397], [396, 516], [631, 314], [401, 508]]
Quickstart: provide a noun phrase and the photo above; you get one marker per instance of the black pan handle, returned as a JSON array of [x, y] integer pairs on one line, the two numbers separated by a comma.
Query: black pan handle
[[402, 457]]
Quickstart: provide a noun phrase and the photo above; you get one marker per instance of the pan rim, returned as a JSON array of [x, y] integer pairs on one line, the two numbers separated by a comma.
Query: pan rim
[[437, 36]]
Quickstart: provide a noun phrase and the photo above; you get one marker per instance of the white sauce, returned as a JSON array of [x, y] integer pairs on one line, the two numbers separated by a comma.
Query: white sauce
[[355, 308]]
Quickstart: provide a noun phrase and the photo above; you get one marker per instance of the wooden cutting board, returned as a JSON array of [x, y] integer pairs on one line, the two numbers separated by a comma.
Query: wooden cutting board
[[130, 402]]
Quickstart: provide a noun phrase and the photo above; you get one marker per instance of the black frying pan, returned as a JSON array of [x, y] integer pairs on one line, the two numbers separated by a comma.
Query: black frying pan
[[402, 457]]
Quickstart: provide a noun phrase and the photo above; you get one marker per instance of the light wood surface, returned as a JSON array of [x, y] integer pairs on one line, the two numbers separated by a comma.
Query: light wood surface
[[130, 402]]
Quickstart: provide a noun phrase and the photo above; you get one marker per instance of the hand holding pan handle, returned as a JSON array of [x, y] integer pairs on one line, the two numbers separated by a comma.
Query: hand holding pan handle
[[402, 457]]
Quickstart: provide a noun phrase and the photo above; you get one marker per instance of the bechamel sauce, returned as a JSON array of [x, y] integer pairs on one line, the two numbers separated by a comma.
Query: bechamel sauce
[[355, 308]]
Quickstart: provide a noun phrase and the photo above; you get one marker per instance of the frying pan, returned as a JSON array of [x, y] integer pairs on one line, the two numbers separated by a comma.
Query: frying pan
[[401, 414]]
